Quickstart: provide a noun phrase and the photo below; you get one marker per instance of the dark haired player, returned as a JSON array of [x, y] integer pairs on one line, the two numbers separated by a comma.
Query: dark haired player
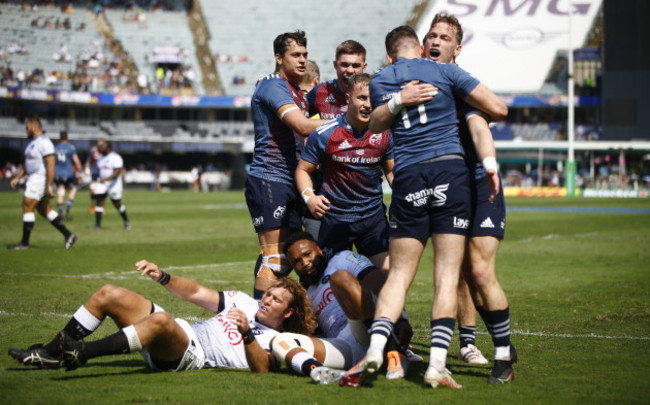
[[329, 98], [281, 122]]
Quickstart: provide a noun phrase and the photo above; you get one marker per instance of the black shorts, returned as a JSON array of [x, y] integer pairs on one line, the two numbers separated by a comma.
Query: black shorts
[[431, 197], [488, 217], [370, 235], [273, 204], [68, 182]]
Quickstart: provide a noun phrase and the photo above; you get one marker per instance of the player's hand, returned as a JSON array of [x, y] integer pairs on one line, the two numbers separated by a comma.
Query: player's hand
[[14, 182], [50, 192], [147, 268], [493, 182], [238, 318], [318, 206], [415, 93]]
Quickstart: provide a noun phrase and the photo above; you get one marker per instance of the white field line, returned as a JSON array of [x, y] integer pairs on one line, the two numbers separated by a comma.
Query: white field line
[[514, 332], [130, 274]]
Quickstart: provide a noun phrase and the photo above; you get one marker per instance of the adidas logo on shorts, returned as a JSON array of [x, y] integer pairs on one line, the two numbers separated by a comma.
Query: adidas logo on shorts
[[487, 223]]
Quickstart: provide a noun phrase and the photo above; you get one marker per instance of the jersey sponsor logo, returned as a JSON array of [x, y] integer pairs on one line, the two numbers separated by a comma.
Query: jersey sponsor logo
[[375, 139], [229, 330], [259, 221], [231, 293], [326, 298], [356, 159], [487, 223], [461, 223], [345, 145], [279, 212]]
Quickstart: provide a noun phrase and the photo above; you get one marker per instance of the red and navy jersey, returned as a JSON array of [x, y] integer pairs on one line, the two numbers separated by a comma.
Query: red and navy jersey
[[327, 100], [277, 146], [351, 164], [430, 129]]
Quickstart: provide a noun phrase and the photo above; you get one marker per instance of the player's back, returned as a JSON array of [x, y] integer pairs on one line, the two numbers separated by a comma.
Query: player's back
[[64, 164], [430, 129]]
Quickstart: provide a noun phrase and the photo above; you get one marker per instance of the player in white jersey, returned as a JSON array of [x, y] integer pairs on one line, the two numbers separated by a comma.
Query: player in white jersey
[[109, 183], [39, 169], [238, 336], [342, 290]]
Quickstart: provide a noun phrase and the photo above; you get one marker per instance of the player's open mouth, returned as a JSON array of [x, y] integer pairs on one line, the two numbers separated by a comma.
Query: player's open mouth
[[434, 53], [365, 113]]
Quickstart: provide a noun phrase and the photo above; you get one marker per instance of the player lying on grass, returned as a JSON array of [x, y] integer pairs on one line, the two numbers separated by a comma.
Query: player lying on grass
[[238, 336], [342, 291]]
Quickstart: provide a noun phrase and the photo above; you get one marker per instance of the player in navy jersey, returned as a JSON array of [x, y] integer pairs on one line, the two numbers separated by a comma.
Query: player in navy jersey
[[442, 43], [430, 191], [351, 159], [39, 169], [67, 169], [328, 98], [281, 122]]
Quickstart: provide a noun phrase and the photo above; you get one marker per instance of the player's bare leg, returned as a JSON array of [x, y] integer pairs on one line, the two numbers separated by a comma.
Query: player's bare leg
[[405, 256], [449, 250], [495, 310], [273, 260], [468, 352]]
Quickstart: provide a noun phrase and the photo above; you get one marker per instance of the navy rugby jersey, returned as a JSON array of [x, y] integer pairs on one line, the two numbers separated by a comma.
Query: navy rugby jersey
[[351, 164], [327, 100], [64, 153], [430, 129], [277, 146]]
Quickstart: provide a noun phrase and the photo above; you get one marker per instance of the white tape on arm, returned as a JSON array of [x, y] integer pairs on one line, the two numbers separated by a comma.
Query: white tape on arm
[[395, 104], [287, 110], [307, 194], [490, 163]]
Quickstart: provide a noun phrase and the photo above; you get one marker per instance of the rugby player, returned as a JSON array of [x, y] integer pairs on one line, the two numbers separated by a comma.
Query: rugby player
[[109, 183], [237, 336], [65, 178], [443, 44], [342, 290], [329, 98], [430, 191], [281, 122], [39, 169], [92, 170]]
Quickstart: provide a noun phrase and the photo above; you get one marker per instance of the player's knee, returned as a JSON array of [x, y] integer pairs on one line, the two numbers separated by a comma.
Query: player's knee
[[160, 322], [108, 294]]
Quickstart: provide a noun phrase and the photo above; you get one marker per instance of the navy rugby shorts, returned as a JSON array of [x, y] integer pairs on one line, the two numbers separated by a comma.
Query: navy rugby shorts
[[369, 235], [431, 197], [273, 204]]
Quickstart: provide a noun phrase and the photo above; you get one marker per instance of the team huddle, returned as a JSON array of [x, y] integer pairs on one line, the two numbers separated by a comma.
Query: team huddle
[[319, 162]]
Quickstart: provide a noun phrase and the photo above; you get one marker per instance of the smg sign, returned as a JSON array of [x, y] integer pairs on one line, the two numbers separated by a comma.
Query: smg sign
[[462, 8]]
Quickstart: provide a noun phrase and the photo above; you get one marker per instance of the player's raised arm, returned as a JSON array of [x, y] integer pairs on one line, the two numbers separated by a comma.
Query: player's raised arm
[[183, 288], [488, 102], [484, 144], [258, 359], [413, 93]]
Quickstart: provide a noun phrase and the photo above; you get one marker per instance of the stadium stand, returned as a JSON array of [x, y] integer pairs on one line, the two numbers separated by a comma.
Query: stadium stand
[[245, 52]]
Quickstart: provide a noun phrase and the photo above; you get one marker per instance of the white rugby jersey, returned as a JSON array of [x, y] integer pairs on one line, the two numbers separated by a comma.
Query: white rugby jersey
[[108, 163], [222, 343], [35, 152], [331, 317]]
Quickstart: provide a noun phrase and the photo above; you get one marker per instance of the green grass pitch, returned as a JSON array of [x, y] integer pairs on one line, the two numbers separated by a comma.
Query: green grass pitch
[[577, 281]]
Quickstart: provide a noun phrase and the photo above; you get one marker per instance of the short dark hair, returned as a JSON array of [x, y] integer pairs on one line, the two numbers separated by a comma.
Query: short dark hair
[[360, 78], [33, 119], [295, 237], [398, 37], [350, 47], [282, 41], [452, 21], [63, 135]]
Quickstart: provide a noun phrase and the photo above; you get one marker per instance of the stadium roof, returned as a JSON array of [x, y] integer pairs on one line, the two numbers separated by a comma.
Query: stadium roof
[[510, 45]]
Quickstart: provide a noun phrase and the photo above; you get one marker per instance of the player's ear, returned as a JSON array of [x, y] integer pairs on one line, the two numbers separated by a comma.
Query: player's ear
[[278, 59], [457, 50], [390, 59], [288, 312]]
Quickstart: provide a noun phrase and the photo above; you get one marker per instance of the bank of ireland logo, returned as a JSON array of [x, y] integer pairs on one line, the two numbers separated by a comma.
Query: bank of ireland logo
[[279, 212]]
